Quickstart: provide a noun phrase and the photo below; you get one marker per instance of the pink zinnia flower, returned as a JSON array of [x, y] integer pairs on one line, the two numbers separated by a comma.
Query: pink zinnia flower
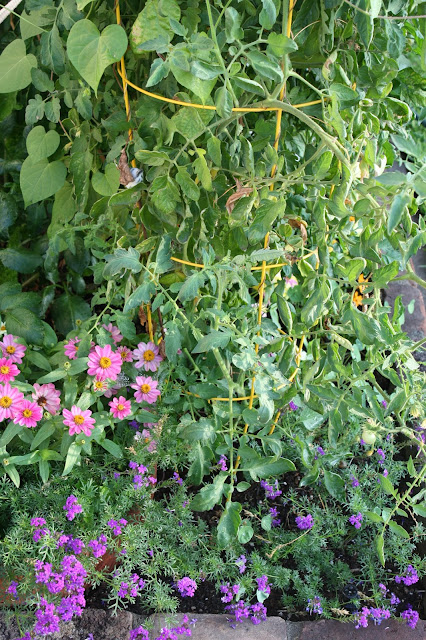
[[114, 331], [99, 385], [147, 356], [11, 349], [78, 421], [27, 414], [146, 390], [47, 397], [104, 363], [10, 400], [120, 407], [71, 348], [8, 370], [125, 353]]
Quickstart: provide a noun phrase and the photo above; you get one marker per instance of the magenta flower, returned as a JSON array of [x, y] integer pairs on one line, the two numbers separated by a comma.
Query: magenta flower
[[27, 414], [8, 370], [125, 354], [10, 400], [78, 421], [186, 587], [305, 522], [11, 349], [114, 331], [146, 390], [147, 356], [411, 617], [104, 363], [120, 407], [47, 397], [72, 507], [71, 348]]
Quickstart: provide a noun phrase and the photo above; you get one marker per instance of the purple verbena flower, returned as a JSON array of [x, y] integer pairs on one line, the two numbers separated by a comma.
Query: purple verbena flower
[[354, 482], [72, 507], [314, 605], [305, 522], [241, 563], [262, 585], [271, 491], [292, 406], [410, 576], [275, 519], [177, 478], [356, 520], [411, 616], [222, 463], [186, 587]]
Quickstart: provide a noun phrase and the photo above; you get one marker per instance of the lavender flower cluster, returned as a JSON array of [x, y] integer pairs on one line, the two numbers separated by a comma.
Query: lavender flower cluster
[[165, 634]]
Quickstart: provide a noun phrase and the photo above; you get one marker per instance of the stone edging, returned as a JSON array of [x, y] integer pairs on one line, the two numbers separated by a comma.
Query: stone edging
[[97, 624]]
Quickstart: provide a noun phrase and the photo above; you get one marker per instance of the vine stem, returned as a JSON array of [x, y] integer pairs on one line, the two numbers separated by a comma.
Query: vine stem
[[411, 275], [218, 52]]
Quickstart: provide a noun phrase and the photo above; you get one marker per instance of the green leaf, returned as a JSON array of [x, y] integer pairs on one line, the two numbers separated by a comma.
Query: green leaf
[[335, 485], [106, 183], [419, 509], [397, 209], [387, 485], [249, 85], [111, 447], [27, 459], [201, 430], [229, 523], [203, 172], [189, 289], [233, 25], [40, 144], [92, 52], [52, 53], [52, 109], [15, 67], [9, 433], [209, 495], [13, 474], [44, 469], [366, 329], [68, 312], [40, 180], [223, 102], [285, 313], [218, 339], [315, 306], [42, 434], [8, 212], [73, 456], [21, 260], [24, 323], [396, 528], [364, 22], [385, 274], [214, 150], [280, 45], [187, 184], [268, 15], [53, 376], [245, 532], [38, 359], [380, 543], [351, 269], [41, 81], [268, 466], [265, 216], [264, 66], [346, 96], [201, 88], [374, 517], [159, 70], [122, 259], [141, 295], [151, 30]]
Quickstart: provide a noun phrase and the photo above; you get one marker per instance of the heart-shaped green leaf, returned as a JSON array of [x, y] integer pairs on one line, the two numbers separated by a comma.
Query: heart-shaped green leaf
[[106, 183], [41, 144], [92, 52], [41, 179], [15, 67]]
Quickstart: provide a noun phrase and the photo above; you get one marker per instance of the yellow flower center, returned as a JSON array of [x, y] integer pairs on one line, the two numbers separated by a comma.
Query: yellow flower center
[[5, 402], [120, 407], [123, 354], [146, 388], [148, 355], [105, 362], [78, 419], [27, 413], [4, 369], [3, 327], [10, 349], [99, 384]]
